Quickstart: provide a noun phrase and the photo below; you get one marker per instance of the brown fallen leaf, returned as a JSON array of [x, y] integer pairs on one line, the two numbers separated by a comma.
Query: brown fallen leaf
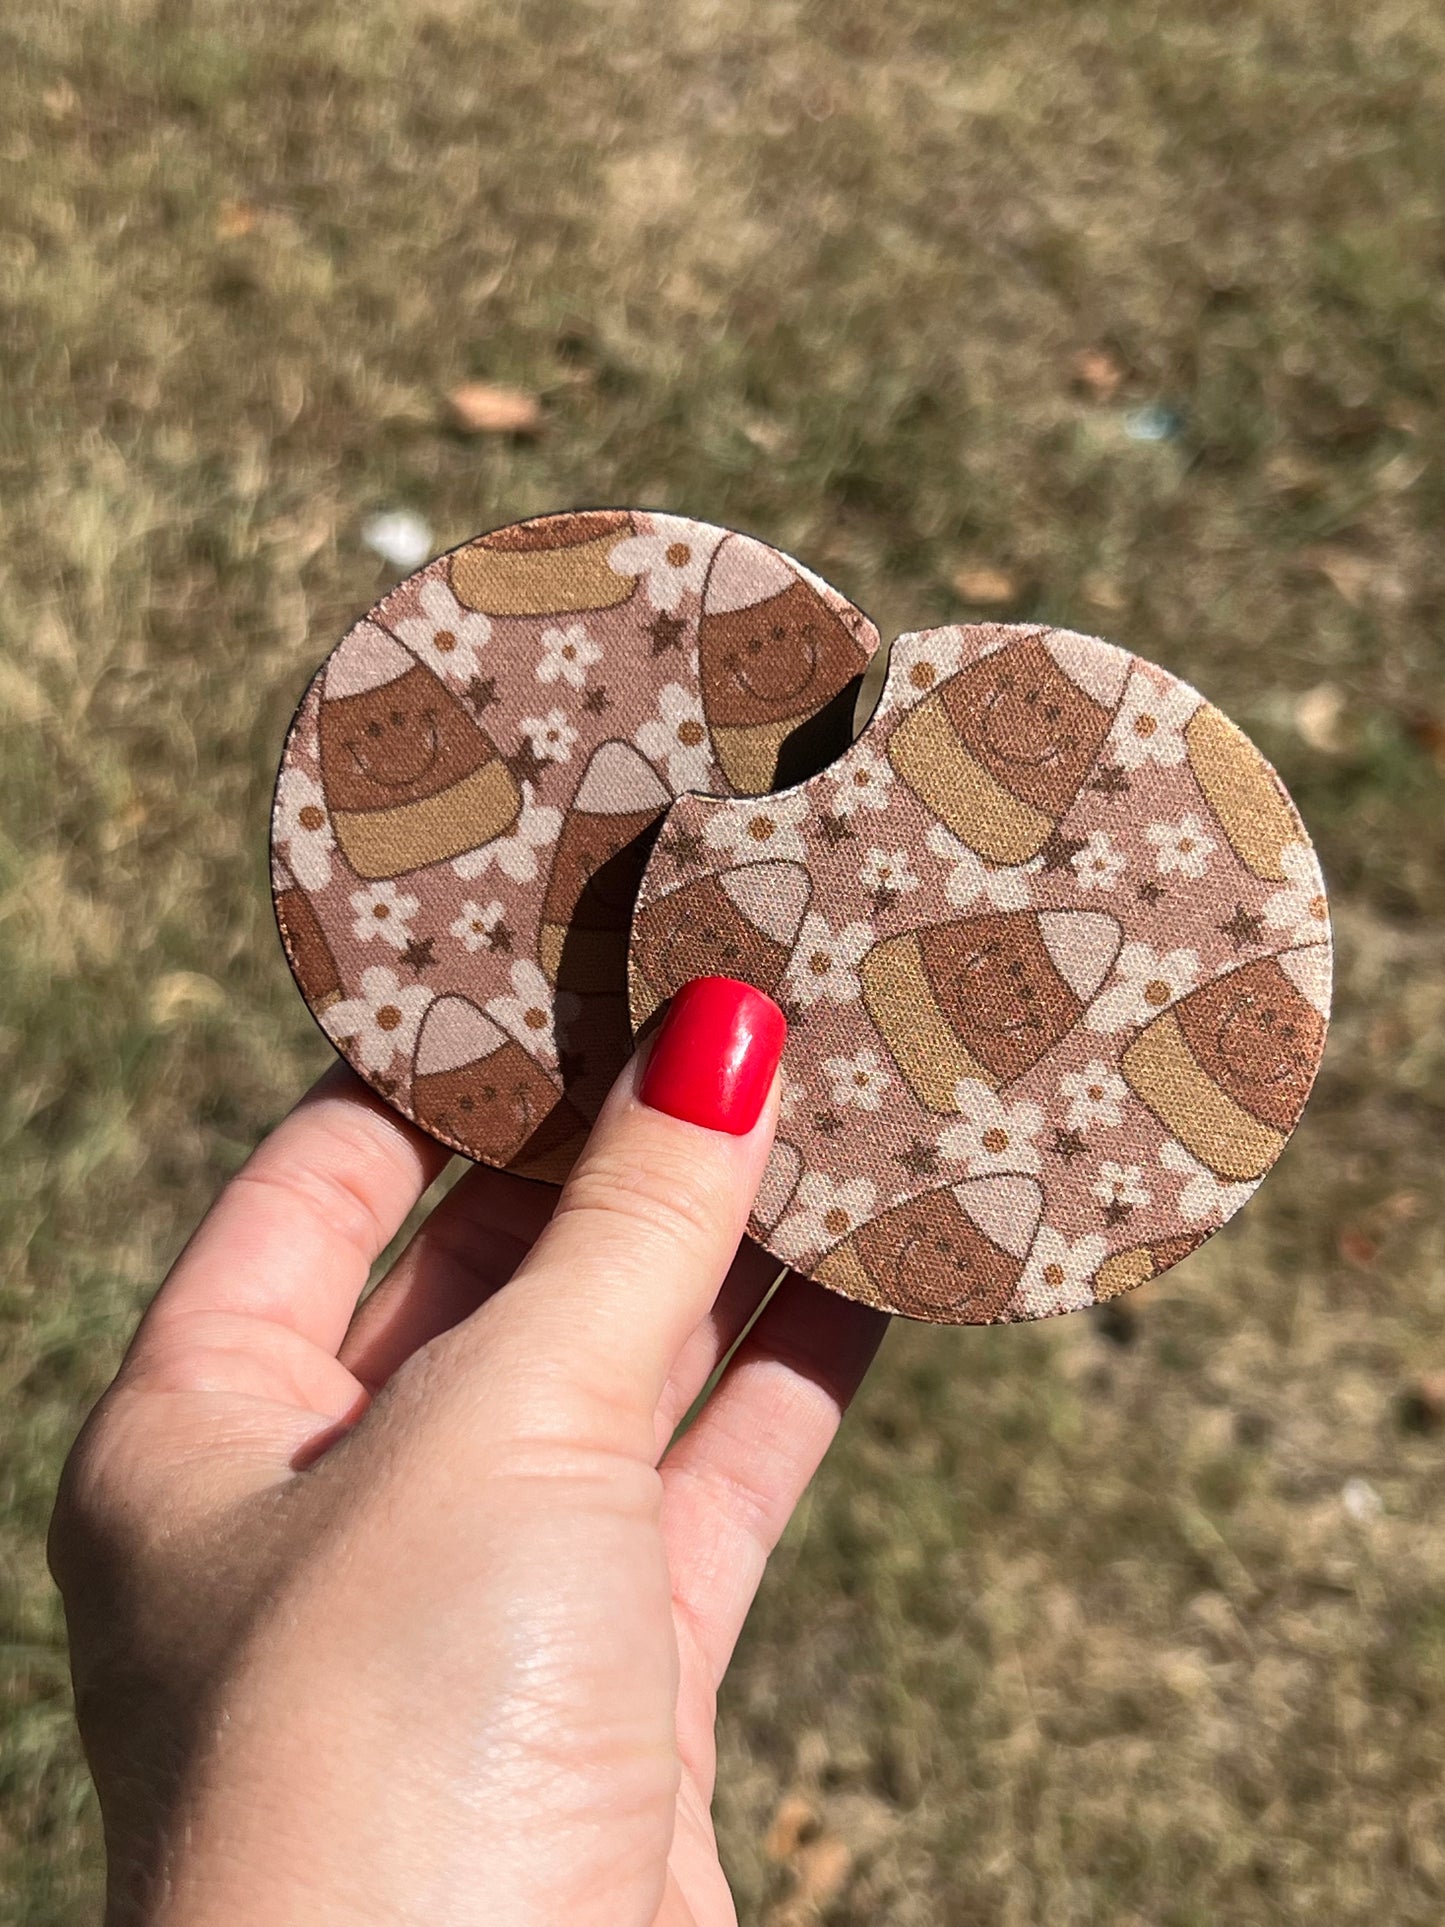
[[61, 100], [235, 219], [1097, 372], [769, 437], [1350, 575], [794, 1820], [1429, 733], [1358, 1248], [1422, 1403], [1402, 1206], [792, 1912], [1102, 592], [488, 408], [984, 584], [823, 1868]]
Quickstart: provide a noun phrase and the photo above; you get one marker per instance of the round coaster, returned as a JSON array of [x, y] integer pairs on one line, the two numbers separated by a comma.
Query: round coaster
[[1054, 950], [474, 778]]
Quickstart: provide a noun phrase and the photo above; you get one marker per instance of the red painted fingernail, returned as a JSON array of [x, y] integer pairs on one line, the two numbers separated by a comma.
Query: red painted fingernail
[[715, 1055]]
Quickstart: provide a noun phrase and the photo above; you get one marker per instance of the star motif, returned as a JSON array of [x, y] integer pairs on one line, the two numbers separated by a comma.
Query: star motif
[[524, 762], [883, 900], [1059, 850], [1242, 928], [596, 700], [685, 847], [793, 1012], [502, 938], [1149, 891], [920, 1160], [834, 829], [386, 1085], [481, 692], [827, 1123], [418, 953], [667, 633], [1115, 1213], [1069, 1145], [1111, 780]]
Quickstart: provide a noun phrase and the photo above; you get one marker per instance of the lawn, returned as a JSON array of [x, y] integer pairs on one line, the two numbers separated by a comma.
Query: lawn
[[1127, 316]]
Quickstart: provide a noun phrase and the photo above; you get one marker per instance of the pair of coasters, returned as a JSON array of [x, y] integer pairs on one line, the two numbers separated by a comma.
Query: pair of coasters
[[1050, 935]]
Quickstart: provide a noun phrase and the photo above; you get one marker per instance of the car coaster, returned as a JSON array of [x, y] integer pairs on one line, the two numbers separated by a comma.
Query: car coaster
[[473, 780], [1054, 952], [1050, 936]]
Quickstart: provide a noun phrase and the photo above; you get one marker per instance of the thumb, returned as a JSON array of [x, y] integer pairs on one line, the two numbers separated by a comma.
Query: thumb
[[580, 1344]]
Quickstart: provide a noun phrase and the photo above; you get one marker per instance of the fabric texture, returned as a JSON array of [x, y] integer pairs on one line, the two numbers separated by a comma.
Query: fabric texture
[[473, 780], [1054, 950]]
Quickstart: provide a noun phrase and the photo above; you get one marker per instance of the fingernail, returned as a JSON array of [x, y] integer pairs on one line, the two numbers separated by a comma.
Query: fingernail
[[715, 1055]]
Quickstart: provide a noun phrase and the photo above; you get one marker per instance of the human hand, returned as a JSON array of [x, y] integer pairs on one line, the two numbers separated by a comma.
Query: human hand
[[416, 1612]]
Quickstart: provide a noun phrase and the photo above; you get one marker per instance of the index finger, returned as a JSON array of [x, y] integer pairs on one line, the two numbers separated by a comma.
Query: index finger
[[292, 1237]]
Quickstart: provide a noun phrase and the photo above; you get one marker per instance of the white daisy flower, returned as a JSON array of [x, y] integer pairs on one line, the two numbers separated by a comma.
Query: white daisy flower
[[860, 1080], [1096, 1095], [970, 878], [1204, 1196], [1299, 910], [447, 637], [920, 662], [889, 870], [516, 853], [824, 961], [677, 738], [991, 1136], [1059, 1275], [863, 780], [474, 926], [382, 1022], [552, 737], [567, 655], [380, 910], [1145, 982], [531, 1012], [791, 1092], [1120, 1184], [765, 826], [1099, 865], [1150, 724], [303, 826], [673, 558], [825, 1212], [1184, 846]]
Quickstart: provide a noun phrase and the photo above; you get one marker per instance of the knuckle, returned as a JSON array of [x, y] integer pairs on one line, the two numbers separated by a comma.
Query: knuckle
[[745, 1504], [95, 1510], [336, 1198], [662, 1203]]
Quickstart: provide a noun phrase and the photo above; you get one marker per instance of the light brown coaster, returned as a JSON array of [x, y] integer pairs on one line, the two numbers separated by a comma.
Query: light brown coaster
[[1055, 955], [473, 780]]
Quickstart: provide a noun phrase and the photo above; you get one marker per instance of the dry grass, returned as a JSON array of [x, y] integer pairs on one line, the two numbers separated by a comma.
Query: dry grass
[[1076, 1627]]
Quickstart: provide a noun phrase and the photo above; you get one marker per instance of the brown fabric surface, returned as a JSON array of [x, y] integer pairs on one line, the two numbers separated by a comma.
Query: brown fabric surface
[[1054, 950], [1051, 937], [472, 782]]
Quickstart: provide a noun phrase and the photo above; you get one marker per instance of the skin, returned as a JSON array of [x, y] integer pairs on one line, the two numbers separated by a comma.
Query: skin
[[417, 1612]]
